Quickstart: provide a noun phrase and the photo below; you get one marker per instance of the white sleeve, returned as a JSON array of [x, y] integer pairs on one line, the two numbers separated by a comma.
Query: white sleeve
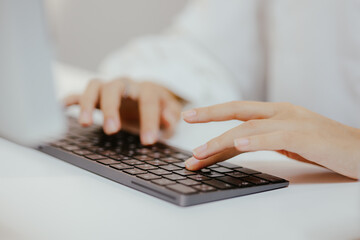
[[184, 59]]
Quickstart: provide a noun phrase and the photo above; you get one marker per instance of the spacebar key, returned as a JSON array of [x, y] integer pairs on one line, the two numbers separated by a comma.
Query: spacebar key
[[181, 188]]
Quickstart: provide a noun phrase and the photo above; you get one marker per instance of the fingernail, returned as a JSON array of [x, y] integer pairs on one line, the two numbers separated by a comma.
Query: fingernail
[[189, 115], [85, 117], [149, 138], [200, 150], [110, 125], [191, 163], [241, 142]]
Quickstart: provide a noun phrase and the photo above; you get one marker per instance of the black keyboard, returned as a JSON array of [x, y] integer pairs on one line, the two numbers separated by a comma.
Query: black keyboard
[[158, 169]]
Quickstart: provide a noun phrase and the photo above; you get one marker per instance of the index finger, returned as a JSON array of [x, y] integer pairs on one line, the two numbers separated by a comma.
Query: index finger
[[194, 164], [88, 102], [110, 102], [149, 109], [239, 110]]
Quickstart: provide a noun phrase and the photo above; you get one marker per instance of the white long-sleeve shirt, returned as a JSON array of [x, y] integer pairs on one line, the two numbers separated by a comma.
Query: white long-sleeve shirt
[[306, 52]]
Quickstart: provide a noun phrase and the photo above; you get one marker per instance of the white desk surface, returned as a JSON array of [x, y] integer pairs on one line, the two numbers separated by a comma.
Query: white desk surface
[[42, 197]]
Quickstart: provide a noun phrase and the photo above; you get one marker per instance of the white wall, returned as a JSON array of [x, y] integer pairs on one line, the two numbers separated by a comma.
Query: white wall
[[84, 31]]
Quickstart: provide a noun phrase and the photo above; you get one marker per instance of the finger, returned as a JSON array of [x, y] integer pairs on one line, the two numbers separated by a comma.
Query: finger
[[194, 164], [239, 110], [149, 109], [88, 101], [280, 140], [71, 100], [226, 140], [171, 112], [110, 101]]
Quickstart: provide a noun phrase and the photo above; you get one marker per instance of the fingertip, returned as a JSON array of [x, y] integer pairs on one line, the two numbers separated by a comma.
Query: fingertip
[[200, 152], [149, 138], [111, 126], [85, 118], [189, 116], [192, 164], [241, 144]]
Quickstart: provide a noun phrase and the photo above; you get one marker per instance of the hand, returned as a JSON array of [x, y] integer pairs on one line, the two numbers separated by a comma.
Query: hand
[[291, 130], [126, 103]]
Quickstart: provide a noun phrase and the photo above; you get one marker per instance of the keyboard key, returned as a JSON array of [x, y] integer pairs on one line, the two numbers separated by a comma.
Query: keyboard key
[[205, 171], [235, 181], [270, 178], [214, 166], [108, 161], [174, 177], [222, 170], [181, 188], [218, 184], [86, 145], [156, 155], [120, 157], [163, 181], [199, 177], [237, 174], [121, 166], [133, 146], [59, 143], [156, 162], [94, 157], [204, 188], [132, 162], [97, 149], [247, 170], [181, 156], [70, 147], [129, 153], [228, 165], [188, 182], [134, 171], [184, 172], [108, 152], [82, 152], [160, 172], [143, 157], [255, 180], [212, 174], [170, 160], [170, 167], [143, 150], [148, 176], [167, 151], [180, 164], [146, 167]]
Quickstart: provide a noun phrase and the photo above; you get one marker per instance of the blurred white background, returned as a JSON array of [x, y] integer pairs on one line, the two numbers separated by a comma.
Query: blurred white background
[[85, 31]]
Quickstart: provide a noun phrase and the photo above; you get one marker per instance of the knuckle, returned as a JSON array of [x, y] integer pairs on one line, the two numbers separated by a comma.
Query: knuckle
[[147, 85], [94, 82], [287, 137], [271, 108], [299, 111], [215, 143], [106, 86], [251, 124], [208, 111], [284, 105], [84, 101], [107, 107]]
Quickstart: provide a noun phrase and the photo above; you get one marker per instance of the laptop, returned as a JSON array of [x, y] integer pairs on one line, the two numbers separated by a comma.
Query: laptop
[[31, 116]]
